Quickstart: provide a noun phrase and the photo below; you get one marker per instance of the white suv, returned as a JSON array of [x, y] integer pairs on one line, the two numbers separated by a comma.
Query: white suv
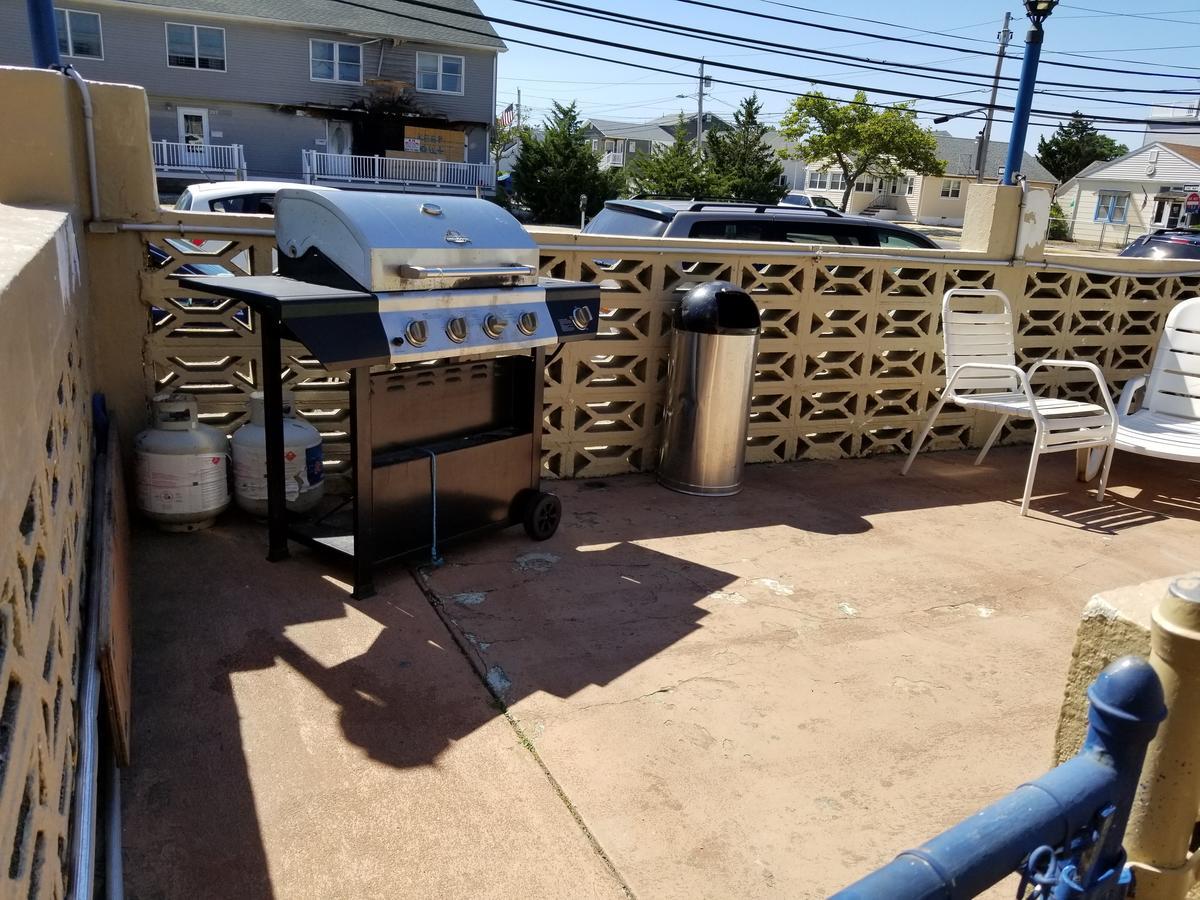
[[235, 196]]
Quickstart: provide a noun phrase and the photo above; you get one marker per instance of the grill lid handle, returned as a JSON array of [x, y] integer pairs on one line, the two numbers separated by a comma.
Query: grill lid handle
[[462, 271]]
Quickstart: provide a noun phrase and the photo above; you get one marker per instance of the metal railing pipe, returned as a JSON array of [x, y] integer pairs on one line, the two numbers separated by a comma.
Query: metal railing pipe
[[43, 33], [1075, 813], [1164, 813]]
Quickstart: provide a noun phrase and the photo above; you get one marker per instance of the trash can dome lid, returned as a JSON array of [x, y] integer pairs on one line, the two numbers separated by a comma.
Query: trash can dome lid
[[717, 307]]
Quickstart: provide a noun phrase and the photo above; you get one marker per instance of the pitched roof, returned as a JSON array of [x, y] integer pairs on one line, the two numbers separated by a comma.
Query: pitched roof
[[959, 154], [1187, 151], [637, 131], [390, 18]]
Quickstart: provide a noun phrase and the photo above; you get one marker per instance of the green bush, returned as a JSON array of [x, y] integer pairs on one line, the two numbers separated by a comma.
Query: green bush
[[1059, 230]]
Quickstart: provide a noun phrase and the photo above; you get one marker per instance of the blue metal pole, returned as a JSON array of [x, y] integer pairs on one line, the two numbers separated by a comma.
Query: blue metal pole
[[43, 33], [1016, 142], [1126, 707]]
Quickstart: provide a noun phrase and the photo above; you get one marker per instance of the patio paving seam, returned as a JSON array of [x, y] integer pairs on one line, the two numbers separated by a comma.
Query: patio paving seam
[[477, 666]]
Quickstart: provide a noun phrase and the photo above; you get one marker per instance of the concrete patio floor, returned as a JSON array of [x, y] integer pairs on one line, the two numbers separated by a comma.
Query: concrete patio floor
[[759, 696]]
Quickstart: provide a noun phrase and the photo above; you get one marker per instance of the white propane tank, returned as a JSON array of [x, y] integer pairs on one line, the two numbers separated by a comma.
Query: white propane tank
[[302, 460], [182, 467]]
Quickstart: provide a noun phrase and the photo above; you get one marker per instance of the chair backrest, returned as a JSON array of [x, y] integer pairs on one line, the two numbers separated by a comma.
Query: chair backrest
[[971, 333], [1174, 384]]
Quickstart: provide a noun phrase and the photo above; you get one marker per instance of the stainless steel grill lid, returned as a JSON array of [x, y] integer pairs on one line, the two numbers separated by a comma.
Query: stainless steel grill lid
[[403, 242]]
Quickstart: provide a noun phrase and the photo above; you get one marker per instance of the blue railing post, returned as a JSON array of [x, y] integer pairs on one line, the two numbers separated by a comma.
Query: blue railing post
[[1024, 103], [43, 33], [1069, 823]]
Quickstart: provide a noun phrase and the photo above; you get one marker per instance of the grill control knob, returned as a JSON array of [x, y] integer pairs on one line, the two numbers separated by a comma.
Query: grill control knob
[[417, 332], [456, 329], [493, 326], [582, 317], [527, 322]]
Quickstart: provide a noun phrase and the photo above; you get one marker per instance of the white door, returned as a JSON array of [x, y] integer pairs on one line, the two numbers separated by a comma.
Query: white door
[[194, 135], [339, 138]]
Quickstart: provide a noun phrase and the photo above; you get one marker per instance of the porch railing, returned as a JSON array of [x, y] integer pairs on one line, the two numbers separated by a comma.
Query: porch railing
[[613, 159], [228, 160], [1063, 832], [326, 168]]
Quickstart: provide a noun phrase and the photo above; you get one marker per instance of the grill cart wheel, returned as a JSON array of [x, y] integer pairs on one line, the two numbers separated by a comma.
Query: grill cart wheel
[[543, 512]]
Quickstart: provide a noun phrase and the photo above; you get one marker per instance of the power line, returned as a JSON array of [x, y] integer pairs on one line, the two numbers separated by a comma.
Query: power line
[[1149, 16], [881, 65], [735, 40], [911, 41], [945, 33], [692, 60]]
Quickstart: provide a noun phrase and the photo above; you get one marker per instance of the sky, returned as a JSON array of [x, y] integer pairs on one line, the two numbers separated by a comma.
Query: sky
[[1162, 38]]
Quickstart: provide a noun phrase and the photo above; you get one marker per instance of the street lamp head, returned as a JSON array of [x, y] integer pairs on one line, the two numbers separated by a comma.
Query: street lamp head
[[1039, 10]]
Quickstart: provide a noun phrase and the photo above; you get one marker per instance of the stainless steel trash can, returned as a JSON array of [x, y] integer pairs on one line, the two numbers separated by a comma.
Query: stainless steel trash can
[[709, 381]]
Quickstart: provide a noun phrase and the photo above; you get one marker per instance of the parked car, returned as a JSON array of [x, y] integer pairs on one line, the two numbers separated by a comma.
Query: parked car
[[750, 222], [234, 196], [807, 201], [1166, 243]]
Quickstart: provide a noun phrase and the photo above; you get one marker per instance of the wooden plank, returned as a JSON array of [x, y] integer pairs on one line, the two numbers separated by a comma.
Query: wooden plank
[[115, 637]]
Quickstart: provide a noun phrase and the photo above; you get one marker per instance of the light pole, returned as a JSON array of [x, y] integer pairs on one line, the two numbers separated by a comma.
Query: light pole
[[1038, 11]]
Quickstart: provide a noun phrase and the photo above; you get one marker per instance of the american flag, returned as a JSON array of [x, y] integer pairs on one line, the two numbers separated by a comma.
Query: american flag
[[506, 117]]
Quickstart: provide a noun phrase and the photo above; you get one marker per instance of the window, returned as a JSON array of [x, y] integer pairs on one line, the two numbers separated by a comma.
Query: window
[[837, 181], [333, 61], [1111, 206], [78, 33], [818, 181], [908, 187], [894, 239], [828, 235], [865, 185], [951, 187], [439, 74], [732, 231], [195, 47]]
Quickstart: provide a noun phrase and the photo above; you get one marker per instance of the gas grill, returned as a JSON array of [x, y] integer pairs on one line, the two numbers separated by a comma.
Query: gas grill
[[435, 307]]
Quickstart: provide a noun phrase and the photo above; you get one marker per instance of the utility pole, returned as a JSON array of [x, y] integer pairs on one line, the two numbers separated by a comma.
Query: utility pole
[[700, 109], [986, 135]]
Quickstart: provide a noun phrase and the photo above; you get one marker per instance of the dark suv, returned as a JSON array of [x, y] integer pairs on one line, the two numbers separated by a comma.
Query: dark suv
[[750, 222], [1166, 243]]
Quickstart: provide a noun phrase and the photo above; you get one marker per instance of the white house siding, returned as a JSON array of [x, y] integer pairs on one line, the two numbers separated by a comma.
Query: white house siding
[[1151, 165], [1079, 206]]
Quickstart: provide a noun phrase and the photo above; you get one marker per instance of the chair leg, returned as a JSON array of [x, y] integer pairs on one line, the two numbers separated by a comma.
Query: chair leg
[[1033, 461], [924, 434], [991, 439], [1108, 458]]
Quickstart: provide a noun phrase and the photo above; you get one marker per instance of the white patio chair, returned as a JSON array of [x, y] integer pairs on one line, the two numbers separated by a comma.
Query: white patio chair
[[981, 360], [1167, 423]]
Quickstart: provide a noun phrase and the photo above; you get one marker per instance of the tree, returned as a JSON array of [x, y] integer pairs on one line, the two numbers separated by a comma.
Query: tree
[[742, 165], [504, 138], [677, 170], [552, 172], [860, 139], [1074, 146]]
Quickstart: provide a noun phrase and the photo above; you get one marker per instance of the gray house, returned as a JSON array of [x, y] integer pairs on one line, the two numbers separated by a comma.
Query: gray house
[[617, 141], [396, 96]]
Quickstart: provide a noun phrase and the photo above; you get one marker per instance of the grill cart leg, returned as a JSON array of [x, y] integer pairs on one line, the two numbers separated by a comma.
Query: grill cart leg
[[272, 385], [362, 464]]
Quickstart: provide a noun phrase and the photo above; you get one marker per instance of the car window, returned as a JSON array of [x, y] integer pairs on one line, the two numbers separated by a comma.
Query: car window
[[244, 203], [819, 233], [895, 239], [184, 201], [614, 221], [741, 230], [823, 203]]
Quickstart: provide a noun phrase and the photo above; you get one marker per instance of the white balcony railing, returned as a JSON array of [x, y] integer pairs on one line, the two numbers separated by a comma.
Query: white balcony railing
[[613, 159], [212, 160], [336, 168]]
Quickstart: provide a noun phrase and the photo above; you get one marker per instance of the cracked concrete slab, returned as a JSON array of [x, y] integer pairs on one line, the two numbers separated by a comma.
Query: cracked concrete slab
[[771, 694], [291, 743]]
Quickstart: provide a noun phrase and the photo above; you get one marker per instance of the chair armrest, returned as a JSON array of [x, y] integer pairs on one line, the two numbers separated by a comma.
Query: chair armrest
[[1132, 386], [1080, 364]]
